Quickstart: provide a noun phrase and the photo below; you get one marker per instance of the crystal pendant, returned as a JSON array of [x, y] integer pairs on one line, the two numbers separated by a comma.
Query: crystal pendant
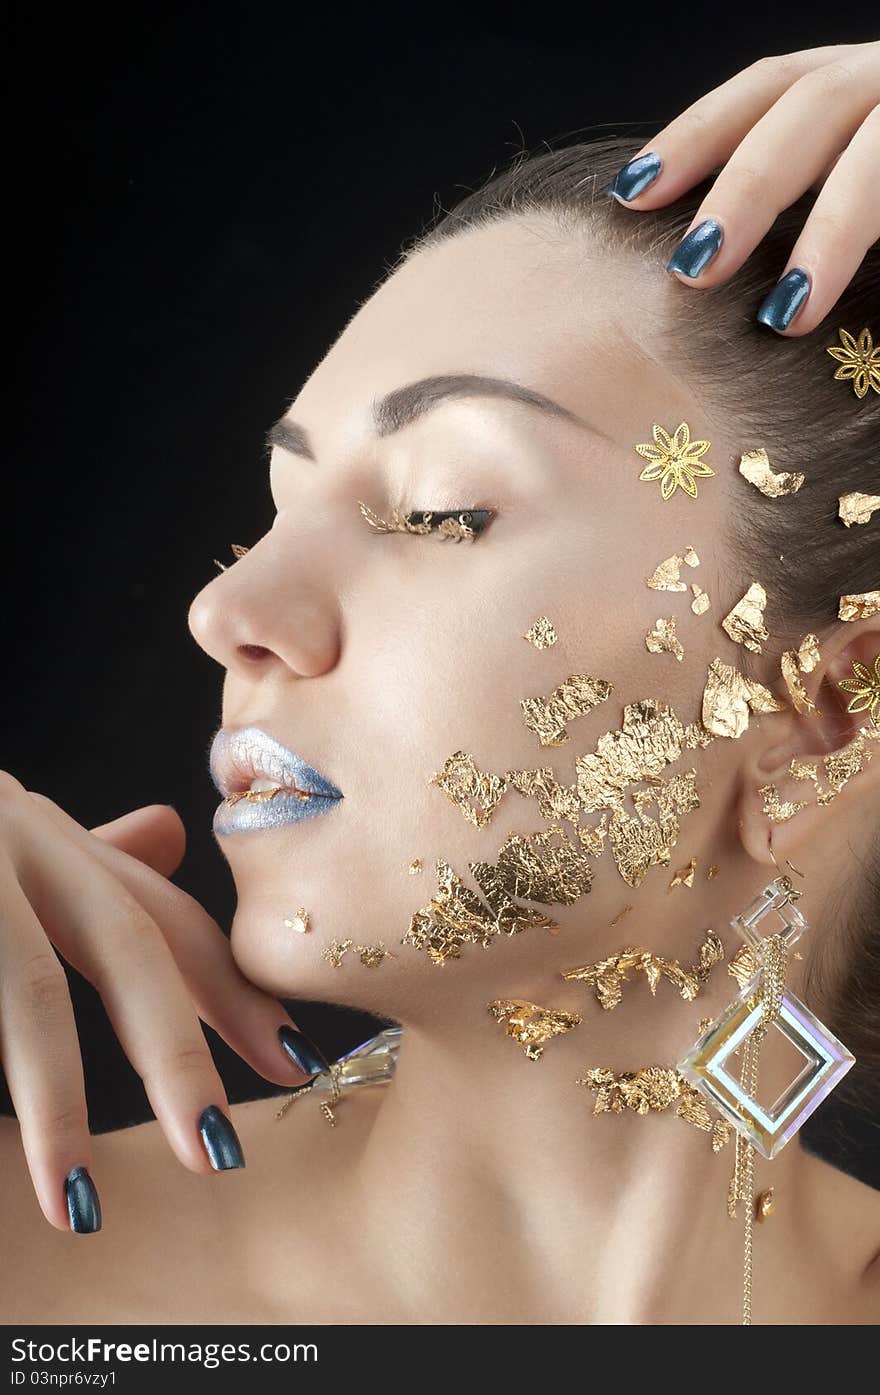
[[371, 1063], [826, 1062]]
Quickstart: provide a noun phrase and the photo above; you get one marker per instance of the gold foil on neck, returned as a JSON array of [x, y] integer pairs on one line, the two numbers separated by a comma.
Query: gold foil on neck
[[548, 717], [662, 639], [530, 1024], [754, 466], [685, 875], [857, 508], [607, 976], [471, 790], [745, 623], [800, 698], [859, 606], [727, 698], [542, 634], [701, 602]]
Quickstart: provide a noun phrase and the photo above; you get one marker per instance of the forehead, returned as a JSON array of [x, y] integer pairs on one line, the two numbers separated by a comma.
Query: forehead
[[517, 299]]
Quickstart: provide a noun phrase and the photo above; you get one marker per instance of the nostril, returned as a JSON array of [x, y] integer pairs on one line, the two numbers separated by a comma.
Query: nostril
[[254, 651]]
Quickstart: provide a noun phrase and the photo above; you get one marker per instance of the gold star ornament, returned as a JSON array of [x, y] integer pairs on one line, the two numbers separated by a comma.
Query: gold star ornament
[[859, 361], [674, 460]]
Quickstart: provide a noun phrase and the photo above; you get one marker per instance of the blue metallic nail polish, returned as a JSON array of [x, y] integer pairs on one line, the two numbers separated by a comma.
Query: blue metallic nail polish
[[635, 176], [220, 1139], [697, 248], [304, 1054], [83, 1205], [786, 298]]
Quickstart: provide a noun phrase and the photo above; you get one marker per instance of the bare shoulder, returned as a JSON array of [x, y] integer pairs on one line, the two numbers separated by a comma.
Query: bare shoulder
[[178, 1246]]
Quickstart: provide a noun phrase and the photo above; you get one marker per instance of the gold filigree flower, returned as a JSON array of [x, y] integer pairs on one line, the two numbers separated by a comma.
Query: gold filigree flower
[[859, 361], [675, 460], [865, 688]]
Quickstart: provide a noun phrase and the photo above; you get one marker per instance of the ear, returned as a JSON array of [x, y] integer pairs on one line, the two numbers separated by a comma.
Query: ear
[[810, 759]]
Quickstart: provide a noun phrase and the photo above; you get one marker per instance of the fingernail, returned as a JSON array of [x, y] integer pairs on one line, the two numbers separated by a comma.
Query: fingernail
[[697, 248], [635, 176], [785, 299], [304, 1053], [220, 1139], [83, 1205]]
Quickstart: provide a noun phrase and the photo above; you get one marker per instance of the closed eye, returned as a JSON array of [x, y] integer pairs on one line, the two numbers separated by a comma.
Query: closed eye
[[460, 524]]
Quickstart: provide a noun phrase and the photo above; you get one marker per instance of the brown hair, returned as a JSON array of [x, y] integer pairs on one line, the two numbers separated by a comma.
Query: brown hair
[[784, 389]]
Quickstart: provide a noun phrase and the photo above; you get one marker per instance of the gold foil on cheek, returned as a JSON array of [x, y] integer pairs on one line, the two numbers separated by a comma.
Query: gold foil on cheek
[[754, 466], [712, 872], [701, 602], [530, 1024], [860, 606], [655, 1088], [857, 508], [543, 867], [745, 623], [300, 921], [666, 576], [650, 738], [641, 842], [542, 634], [662, 639], [727, 698], [555, 801], [473, 792], [800, 698], [548, 717], [456, 916], [685, 875], [415, 867]]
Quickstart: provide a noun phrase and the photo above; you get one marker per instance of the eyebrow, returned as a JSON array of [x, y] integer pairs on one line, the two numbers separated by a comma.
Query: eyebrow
[[406, 404]]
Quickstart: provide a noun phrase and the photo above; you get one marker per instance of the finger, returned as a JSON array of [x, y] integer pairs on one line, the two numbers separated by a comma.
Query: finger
[[843, 223], [155, 835], [774, 165], [39, 1048], [108, 936], [707, 132], [244, 1015]]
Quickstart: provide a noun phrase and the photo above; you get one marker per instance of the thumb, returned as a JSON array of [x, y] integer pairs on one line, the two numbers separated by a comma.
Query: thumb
[[155, 835]]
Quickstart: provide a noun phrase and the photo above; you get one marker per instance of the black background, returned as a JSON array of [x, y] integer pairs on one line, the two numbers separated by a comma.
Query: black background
[[197, 201]]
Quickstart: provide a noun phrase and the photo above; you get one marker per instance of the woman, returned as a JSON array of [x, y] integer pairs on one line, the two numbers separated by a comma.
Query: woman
[[526, 745]]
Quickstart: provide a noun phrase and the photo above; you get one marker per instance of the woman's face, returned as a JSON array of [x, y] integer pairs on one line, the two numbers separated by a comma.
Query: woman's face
[[377, 656]]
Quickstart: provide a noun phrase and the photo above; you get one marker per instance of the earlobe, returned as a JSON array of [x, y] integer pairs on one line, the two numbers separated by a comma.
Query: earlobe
[[787, 784]]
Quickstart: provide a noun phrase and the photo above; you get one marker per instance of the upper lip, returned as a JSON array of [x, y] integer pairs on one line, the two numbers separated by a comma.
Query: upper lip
[[242, 754]]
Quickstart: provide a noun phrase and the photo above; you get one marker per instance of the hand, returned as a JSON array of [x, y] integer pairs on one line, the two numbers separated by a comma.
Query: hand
[[780, 127], [155, 956]]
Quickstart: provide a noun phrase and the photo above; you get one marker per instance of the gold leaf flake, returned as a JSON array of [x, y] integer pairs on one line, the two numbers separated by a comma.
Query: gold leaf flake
[[743, 965], [727, 697], [666, 575], [456, 916], [373, 955], [650, 738], [696, 737], [300, 921], [860, 606], [690, 557], [415, 867], [653, 1088], [745, 623], [754, 465], [606, 976], [800, 698], [336, 952], [642, 842], [685, 875], [662, 639], [778, 810], [543, 867], [701, 602], [808, 655], [531, 1025], [548, 717], [857, 508], [476, 794], [555, 801], [712, 872], [542, 634]]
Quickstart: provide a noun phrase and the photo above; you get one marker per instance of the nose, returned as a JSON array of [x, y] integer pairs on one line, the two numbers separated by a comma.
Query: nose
[[263, 613]]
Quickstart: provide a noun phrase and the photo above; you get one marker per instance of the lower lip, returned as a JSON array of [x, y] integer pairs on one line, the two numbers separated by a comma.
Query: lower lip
[[250, 815]]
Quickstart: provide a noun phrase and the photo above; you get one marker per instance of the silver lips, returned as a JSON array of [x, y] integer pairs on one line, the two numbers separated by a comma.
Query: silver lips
[[248, 753]]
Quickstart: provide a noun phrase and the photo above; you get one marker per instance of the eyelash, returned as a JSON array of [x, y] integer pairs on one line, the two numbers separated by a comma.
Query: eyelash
[[477, 519]]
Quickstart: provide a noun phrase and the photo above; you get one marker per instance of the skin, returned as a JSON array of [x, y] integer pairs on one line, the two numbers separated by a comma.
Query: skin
[[478, 1187]]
